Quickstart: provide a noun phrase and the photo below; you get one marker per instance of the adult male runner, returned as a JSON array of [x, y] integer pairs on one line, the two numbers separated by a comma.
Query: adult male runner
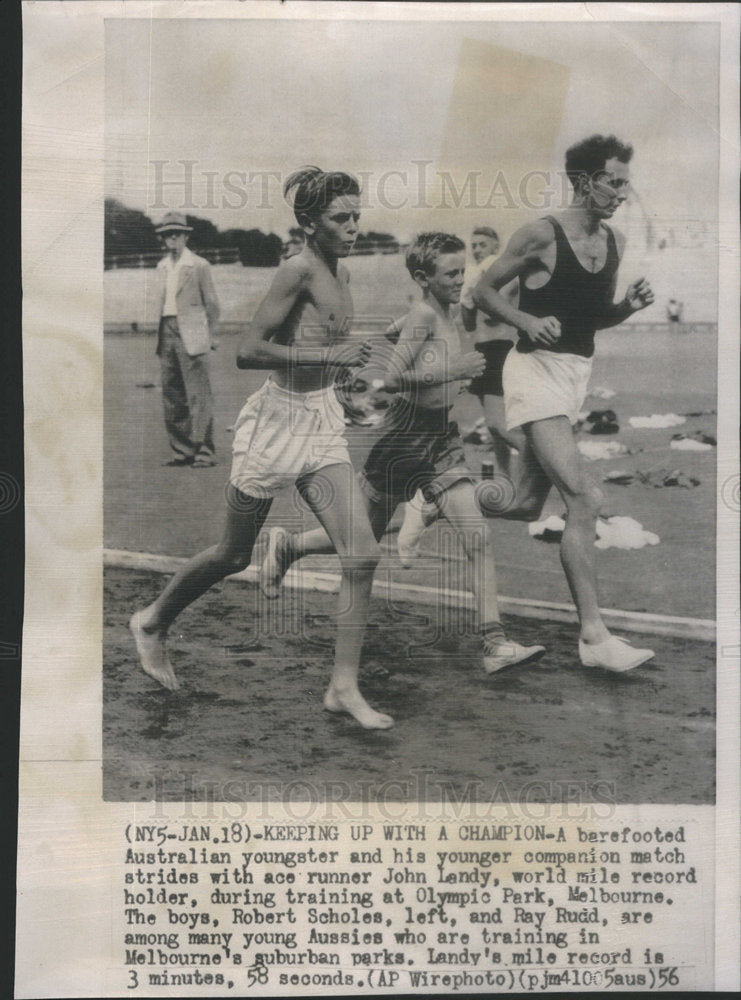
[[567, 269]]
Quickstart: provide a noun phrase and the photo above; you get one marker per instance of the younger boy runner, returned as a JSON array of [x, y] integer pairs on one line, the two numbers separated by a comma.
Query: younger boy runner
[[494, 341]]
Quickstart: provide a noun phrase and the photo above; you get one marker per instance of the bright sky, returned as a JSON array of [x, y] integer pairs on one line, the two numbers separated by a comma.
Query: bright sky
[[250, 96]]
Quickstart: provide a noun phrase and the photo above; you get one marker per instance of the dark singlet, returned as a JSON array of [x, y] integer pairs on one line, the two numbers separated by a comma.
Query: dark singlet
[[575, 296]]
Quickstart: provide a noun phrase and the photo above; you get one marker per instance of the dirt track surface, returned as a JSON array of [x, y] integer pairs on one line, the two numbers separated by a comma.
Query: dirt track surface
[[248, 724]]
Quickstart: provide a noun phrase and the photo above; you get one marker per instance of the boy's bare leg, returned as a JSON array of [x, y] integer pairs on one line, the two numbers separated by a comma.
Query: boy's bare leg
[[460, 508], [244, 518], [345, 521], [284, 548]]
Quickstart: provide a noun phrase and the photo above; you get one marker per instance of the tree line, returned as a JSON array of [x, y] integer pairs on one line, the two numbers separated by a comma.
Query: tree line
[[128, 231]]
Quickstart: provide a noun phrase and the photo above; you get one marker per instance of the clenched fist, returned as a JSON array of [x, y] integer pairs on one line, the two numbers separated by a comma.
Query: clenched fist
[[545, 330]]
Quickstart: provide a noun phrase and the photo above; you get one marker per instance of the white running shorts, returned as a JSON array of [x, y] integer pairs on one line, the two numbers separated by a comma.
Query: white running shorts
[[281, 436], [544, 384]]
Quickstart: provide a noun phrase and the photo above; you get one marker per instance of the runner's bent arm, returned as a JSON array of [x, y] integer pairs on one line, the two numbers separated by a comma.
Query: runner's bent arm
[[468, 316], [404, 370], [256, 349], [522, 254], [468, 307]]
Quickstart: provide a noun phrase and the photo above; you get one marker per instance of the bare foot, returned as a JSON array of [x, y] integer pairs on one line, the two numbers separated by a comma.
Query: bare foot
[[275, 564], [152, 653], [354, 703]]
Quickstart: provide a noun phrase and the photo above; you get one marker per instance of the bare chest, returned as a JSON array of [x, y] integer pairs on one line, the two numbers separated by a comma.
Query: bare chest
[[590, 250], [325, 310]]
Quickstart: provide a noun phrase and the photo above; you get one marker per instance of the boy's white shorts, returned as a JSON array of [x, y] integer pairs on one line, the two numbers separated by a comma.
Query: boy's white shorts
[[544, 384], [281, 436]]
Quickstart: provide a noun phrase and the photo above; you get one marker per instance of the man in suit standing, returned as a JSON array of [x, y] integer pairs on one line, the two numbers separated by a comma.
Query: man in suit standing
[[189, 313]]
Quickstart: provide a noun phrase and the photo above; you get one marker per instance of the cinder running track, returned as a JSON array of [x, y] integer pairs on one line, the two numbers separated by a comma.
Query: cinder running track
[[247, 723]]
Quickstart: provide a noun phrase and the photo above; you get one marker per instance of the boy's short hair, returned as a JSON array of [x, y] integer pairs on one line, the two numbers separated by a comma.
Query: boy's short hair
[[427, 247], [314, 189], [588, 157], [486, 231]]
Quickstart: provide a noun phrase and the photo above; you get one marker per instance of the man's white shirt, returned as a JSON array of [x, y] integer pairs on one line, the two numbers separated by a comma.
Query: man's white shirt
[[172, 274]]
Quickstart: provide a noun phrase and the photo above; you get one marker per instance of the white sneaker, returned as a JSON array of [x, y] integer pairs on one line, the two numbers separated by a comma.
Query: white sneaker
[[613, 654], [508, 653], [410, 533]]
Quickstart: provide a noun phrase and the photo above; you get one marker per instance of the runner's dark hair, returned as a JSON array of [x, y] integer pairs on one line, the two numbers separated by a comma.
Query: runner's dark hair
[[588, 157], [314, 189]]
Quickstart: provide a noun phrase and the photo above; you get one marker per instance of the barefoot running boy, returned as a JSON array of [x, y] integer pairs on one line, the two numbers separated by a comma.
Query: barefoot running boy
[[291, 431], [422, 448], [567, 269]]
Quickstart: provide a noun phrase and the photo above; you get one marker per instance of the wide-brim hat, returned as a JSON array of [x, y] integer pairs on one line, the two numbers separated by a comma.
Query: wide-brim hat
[[174, 222]]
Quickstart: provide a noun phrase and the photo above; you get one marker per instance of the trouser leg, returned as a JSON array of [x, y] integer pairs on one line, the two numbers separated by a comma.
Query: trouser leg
[[174, 394], [200, 402]]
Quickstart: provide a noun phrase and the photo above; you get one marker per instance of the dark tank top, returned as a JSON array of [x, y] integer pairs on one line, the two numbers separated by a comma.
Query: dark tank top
[[575, 296]]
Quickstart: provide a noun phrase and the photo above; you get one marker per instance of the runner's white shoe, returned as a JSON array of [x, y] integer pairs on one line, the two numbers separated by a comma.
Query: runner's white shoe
[[613, 654], [506, 653]]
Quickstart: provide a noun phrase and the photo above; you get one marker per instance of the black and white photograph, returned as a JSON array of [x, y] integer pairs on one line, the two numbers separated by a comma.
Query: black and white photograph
[[381, 448], [485, 379]]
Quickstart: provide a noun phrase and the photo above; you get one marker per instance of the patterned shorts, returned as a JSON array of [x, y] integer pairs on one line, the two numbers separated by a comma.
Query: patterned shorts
[[423, 450]]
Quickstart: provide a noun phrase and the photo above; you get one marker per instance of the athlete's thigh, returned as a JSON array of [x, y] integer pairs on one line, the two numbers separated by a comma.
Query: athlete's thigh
[[245, 516], [335, 498], [554, 446]]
